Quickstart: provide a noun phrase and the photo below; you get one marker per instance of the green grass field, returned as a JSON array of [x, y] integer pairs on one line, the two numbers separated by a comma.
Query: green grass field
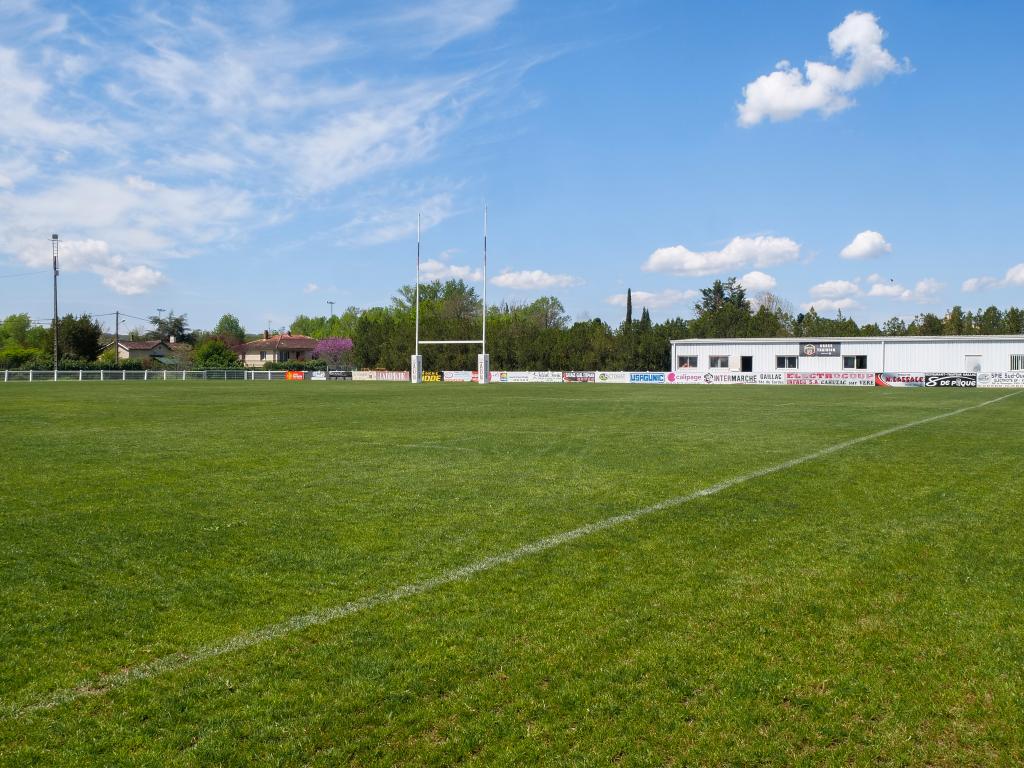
[[862, 607]]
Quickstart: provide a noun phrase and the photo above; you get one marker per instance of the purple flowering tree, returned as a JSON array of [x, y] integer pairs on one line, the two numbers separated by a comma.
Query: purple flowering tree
[[336, 352]]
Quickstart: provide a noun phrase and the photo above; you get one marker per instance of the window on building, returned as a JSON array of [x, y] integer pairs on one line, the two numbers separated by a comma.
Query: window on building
[[719, 361], [856, 362], [263, 355], [785, 361], [687, 361], [1017, 362]]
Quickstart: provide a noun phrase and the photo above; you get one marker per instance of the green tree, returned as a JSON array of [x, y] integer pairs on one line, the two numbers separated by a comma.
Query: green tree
[[229, 330], [214, 353], [14, 330], [172, 325], [723, 311], [78, 338], [894, 326]]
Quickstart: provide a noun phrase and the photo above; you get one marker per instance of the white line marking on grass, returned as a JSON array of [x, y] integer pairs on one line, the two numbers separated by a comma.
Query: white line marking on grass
[[177, 661]]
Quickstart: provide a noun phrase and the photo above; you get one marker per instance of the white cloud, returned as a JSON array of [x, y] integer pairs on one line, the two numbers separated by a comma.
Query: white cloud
[[758, 282], [787, 92], [131, 280], [927, 289], [973, 284], [432, 269], [653, 300], [534, 279], [380, 223], [923, 291], [1014, 276], [834, 289], [866, 245], [439, 22], [311, 288], [830, 305], [760, 251]]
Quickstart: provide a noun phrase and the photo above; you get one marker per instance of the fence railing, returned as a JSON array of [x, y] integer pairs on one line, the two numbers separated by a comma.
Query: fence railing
[[224, 374]]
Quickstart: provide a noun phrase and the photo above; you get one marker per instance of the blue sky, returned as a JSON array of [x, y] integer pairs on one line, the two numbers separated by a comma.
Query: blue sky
[[264, 158]]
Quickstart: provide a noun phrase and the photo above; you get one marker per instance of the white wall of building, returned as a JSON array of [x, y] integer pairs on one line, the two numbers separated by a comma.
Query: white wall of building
[[891, 354]]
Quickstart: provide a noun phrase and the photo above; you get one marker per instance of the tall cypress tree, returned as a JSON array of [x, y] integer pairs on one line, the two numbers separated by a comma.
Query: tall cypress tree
[[629, 306]]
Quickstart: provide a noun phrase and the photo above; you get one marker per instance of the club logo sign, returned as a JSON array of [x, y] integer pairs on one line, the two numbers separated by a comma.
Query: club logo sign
[[951, 380], [432, 376], [819, 349]]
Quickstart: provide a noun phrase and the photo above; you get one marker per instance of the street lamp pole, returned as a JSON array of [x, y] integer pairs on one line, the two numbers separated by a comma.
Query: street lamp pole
[[332, 307], [55, 241]]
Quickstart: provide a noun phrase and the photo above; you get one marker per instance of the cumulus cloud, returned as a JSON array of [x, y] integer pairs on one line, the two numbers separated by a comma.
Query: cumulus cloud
[[311, 288], [757, 282], [433, 269], [534, 279], [653, 300], [760, 251], [923, 291], [830, 305], [1014, 276], [866, 245], [787, 92], [834, 289], [95, 256]]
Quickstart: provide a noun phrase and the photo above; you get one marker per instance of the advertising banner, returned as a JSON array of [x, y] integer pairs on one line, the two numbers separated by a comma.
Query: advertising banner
[[951, 380], [1007, 379], [294, 375], [899, 379], [520, 377], [318, 376], [433, 377], [819, 349], [457, 376], [378, 375], [362, 376], [546, 377], [733, 378], [832, 379], [499, 377], [648, 378], [685, 377], [612, 377], [579, 377]]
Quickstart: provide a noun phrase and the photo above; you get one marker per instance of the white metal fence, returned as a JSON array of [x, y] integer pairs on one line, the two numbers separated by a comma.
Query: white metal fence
[[237, 374]]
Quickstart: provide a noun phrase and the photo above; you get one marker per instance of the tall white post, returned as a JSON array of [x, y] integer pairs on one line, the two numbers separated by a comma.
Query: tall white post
[[483, 361], [416, 363]]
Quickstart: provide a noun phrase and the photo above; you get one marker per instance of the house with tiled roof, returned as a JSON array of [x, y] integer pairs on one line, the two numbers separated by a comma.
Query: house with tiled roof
[[144, 350], [277, 348]]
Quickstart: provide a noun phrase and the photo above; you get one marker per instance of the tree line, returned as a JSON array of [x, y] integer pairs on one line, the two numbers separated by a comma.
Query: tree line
[[536, 335]]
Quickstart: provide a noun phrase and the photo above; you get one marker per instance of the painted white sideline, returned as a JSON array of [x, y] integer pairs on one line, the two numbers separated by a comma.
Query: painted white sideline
[[116, 680]]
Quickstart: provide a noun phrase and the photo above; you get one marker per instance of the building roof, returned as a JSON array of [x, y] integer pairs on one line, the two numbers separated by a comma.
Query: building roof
[[146, 345], [278, 341], [850, 339]]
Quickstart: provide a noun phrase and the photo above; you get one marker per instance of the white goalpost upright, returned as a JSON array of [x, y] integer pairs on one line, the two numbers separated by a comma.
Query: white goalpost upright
[[483, 360]]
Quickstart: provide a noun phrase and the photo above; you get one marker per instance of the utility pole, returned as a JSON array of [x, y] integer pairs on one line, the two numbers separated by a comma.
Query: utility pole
[[55, 240]]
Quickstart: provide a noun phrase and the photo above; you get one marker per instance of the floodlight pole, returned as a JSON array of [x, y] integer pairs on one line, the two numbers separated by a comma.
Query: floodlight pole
[[55, 240]]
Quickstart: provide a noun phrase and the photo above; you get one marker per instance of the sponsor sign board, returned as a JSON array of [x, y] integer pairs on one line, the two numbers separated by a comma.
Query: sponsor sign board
[[336, 375], [1002, 379], [518, 377], [832, 379], [456, 376], [546, 377], [294, 375], [899, 379], [612, 377], [647, 378], [819, 349], [432, 376], [951, 380], [685, 377], [362, 375], [731, 378], [579, 377], [318, 376], [499, 376]]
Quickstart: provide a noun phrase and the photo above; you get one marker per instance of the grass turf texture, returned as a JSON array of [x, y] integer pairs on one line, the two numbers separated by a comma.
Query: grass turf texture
[[865, 607]]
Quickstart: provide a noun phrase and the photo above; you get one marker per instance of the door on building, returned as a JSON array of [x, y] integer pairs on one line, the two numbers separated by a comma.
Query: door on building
[[972, 363], [746, 364]]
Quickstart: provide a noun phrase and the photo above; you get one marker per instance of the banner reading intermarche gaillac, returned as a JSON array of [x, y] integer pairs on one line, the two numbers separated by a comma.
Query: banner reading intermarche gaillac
[[1004, 379]]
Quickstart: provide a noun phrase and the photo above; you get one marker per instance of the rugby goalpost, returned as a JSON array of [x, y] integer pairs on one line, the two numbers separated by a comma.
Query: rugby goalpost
[[483, 360]]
